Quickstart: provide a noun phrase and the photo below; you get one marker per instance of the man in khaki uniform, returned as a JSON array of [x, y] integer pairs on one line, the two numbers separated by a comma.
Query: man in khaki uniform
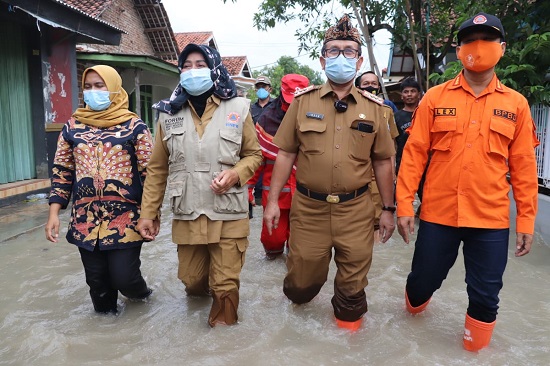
[[338, 134], [205, 151]]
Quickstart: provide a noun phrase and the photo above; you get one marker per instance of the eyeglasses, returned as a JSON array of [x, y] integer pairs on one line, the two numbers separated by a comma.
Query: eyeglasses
[[340, 106], [335, 52]]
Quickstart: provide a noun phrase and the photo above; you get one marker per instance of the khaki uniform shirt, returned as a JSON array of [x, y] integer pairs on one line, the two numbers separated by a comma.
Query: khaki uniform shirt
[[202, 230], [335, 149]]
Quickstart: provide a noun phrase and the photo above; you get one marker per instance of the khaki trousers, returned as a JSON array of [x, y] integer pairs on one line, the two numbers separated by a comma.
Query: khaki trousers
[[318, 227], [215, 267]]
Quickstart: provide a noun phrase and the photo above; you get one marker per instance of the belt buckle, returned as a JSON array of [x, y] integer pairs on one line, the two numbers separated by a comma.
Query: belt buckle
[[332, 198]]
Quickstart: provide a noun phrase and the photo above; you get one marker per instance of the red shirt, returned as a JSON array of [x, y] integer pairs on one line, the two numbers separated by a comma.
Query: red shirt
[[474, 142]]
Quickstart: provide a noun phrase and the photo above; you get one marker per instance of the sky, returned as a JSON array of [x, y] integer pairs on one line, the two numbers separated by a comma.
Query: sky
[[235, 35]]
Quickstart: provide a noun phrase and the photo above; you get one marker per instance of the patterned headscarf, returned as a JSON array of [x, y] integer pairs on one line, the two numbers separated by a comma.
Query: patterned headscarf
[[224, 86], [344, 30], [117, 112]]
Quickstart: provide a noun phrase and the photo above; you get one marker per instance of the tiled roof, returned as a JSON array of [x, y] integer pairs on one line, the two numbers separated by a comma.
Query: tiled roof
[[90, 8], [158, 28], [234, 64], [94, 8], [185, 38]]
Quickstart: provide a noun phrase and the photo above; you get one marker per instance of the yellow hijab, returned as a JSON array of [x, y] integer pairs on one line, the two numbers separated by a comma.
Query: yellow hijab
[[117, 112]]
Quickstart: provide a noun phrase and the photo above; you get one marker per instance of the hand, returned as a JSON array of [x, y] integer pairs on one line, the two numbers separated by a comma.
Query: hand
[[156, 226], [405, 226], [251, 198], [225, 180], [52, 228], [272, 213], [523, 244], [387, 226], [148, 229]]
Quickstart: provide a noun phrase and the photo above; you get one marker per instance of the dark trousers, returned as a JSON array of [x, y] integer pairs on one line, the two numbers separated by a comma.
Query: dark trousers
[[485, 257], [110, 271]]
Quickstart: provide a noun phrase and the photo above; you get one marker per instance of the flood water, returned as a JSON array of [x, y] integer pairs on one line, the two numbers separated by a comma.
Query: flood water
[[47, 317]]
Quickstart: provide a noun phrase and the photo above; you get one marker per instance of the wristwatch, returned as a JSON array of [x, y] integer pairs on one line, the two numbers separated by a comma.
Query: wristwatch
[[388, 208]]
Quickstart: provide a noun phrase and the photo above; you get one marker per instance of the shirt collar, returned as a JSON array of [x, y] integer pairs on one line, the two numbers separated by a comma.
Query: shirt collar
[[326, 89], [460, 82]]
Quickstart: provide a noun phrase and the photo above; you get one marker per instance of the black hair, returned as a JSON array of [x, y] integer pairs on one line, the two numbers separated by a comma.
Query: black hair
[[409, 83], [358, 79]]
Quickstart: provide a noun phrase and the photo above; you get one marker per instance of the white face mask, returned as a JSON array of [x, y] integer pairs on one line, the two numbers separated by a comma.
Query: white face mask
[[340, 69], [196, 81], [97, 100]]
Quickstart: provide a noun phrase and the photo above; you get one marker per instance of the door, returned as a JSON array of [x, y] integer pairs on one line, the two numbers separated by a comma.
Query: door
[[16, 152]]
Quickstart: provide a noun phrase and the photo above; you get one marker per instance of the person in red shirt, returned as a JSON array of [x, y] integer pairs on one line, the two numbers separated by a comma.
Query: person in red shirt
[[477, 131], [267, 126]]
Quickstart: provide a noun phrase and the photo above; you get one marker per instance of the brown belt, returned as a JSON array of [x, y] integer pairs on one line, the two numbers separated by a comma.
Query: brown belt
[[332, 198]]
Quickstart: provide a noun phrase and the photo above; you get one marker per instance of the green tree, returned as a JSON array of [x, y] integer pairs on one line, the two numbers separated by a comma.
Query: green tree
[[525, 65], [285, 65], [433, 24]]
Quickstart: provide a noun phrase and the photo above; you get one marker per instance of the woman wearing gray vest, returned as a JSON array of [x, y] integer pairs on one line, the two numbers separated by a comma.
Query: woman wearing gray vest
[[206, 150]]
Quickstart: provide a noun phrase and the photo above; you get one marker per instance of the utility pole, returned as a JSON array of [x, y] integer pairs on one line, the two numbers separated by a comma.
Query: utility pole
[[368, 40], [418, 71], [427, 44]]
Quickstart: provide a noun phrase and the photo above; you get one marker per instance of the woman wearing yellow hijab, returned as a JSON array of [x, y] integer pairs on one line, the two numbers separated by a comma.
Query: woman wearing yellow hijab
[[101, 159]]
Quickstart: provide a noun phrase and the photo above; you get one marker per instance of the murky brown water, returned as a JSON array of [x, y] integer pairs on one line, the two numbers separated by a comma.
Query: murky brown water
[[47, 318]]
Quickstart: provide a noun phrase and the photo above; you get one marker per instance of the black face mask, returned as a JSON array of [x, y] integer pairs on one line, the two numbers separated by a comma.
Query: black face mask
[[370, 89]]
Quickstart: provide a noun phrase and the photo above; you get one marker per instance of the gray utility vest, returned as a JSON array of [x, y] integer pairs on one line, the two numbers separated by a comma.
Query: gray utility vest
[[194, 162]]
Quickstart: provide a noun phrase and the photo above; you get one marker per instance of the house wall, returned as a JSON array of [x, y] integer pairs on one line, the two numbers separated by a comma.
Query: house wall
[[122, 14]]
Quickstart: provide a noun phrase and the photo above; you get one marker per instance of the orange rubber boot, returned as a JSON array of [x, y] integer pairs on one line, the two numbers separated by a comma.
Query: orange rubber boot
[[353, 326], [415, 310], [477, 334]]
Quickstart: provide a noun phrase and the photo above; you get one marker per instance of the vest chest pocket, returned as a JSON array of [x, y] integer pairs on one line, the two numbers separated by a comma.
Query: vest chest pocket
[[175, 140], [442, 132], [229, 147], [312, 137], [233, 201]]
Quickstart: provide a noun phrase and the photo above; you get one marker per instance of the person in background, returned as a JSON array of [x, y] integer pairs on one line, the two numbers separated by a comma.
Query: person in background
[[267, 126], [100, 162], [476, 130], [410, 95], [263, 92], [369, 82], [206, 150], [337, 133]]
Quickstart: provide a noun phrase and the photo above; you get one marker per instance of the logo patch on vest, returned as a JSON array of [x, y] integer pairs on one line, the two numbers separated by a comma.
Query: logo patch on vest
[[445, 111], [172, 123], [505, 114], [233, 120]]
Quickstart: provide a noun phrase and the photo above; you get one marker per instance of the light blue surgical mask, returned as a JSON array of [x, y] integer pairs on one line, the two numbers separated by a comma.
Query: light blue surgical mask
[[340, 70], [262, 93], [97, 100], [196, 81]]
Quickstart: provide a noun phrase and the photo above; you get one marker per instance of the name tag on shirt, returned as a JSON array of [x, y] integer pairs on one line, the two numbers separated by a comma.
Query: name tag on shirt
[[318, 116]]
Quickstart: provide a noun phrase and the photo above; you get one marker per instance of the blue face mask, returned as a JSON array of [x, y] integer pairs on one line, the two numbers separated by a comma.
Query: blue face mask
[[97, 100], [196, 81], [340, 70], [262, 93]]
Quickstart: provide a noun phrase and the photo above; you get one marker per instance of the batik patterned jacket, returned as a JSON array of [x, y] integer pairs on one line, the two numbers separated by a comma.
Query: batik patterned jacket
[[103, 169]]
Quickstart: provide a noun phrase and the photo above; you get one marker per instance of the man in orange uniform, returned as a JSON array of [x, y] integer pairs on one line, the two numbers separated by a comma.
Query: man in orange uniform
[[267, 126], [477, 131]]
